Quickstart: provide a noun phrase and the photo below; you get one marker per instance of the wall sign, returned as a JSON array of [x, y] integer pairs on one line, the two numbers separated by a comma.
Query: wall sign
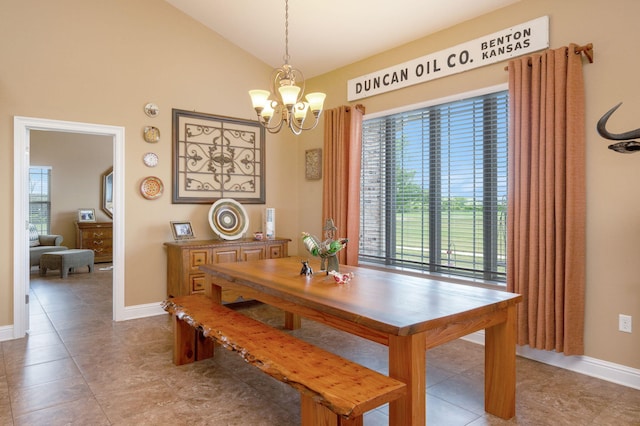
[[500, 46]]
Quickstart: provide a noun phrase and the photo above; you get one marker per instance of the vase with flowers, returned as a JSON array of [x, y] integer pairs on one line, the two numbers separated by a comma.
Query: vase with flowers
[[327, 249]]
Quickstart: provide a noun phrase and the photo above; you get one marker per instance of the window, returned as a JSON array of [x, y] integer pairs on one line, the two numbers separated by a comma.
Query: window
[[434, 186], [40, 198]]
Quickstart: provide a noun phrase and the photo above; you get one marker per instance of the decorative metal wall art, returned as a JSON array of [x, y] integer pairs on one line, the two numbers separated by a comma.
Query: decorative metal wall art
[[628, 146], [313, 164], [217, 157]]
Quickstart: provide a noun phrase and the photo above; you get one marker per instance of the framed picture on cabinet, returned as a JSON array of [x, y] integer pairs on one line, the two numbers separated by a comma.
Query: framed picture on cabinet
[[86, 215], [182, 230]]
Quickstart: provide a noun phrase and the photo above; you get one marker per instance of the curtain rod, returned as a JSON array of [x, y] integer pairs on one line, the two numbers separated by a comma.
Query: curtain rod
[[587, 50]]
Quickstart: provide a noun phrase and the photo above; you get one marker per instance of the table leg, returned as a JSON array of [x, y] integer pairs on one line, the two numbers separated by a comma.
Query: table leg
[[292, 321], [500, 367], [211, 289], [408, 363]]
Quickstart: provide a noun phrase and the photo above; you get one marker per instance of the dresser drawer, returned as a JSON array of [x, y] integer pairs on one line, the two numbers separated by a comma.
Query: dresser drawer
[[97, 234], [92, 243]]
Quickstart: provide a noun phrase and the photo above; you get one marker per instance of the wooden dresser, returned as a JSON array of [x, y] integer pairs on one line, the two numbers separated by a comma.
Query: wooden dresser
[[96, 236], [184, 257]]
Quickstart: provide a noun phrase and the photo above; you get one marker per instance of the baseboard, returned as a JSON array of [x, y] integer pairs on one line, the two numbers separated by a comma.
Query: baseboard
[[143, 311], [6, 332], [588, 366]]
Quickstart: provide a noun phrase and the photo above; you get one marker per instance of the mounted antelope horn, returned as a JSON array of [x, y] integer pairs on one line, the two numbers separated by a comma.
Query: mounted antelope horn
[[627, 147], [602, 123]]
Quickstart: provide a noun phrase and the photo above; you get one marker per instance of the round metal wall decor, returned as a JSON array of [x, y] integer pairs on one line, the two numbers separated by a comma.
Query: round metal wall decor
[[228, 219]]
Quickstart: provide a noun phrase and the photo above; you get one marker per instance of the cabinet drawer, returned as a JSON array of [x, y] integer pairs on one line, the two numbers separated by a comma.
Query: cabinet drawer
[[197, 258], [197, 283], [276, 251]]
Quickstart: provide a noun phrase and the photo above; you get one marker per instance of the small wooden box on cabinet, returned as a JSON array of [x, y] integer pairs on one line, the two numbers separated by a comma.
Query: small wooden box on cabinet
[[184, 258], [96, 236]]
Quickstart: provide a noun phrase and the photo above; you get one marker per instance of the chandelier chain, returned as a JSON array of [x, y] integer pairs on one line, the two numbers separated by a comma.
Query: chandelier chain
[[286, 31]]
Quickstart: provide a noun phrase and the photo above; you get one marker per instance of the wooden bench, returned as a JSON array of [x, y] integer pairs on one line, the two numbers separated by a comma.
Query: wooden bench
[[334, 390]]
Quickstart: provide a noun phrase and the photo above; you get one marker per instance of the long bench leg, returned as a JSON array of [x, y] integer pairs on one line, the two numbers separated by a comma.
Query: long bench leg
[[184, 342], [204, 347], [189, 345], [314, 414]]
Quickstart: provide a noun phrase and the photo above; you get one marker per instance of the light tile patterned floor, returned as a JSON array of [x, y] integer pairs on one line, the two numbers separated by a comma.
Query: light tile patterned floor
[[79, 367]]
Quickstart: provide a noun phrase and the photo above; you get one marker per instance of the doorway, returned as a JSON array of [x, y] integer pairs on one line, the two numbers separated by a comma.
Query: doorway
[[22, 128]]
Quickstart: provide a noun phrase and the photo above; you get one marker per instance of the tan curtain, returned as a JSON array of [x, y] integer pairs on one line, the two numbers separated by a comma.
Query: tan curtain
[[546, 211], [341, 175]]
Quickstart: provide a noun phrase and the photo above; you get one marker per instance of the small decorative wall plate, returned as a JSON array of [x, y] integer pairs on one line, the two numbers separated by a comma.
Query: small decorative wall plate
[[150, 159], [151, 188], [228, 219], [151, 134], [151, 109]]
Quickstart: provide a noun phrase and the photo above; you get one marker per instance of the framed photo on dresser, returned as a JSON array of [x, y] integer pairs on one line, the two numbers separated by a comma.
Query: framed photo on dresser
[[86, 215]]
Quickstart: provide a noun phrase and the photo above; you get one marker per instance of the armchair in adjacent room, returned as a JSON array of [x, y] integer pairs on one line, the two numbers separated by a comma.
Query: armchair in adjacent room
[[39, 244]]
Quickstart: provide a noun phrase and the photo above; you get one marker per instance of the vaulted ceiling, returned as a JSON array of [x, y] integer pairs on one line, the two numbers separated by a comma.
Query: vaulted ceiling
[[328, 34]]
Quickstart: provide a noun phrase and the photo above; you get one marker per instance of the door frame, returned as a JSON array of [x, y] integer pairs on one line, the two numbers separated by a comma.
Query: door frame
[[22, 127]]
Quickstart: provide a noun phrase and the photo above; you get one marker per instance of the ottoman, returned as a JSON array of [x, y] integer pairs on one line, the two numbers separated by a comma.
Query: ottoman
[[65, 260]]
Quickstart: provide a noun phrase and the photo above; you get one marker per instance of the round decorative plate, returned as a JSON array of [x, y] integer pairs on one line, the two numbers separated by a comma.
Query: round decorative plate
[[151, 134], [151, 109], [150, 159], [151, 188], [228, 219]]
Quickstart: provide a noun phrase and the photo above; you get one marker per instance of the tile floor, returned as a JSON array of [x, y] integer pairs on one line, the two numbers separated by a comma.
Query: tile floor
[[79, 367]]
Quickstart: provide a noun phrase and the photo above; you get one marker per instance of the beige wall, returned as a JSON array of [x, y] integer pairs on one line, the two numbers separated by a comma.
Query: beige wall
[[103, 62], [613, 200], [77, 162]]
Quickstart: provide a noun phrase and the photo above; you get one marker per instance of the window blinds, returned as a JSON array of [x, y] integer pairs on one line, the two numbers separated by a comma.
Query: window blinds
[[433, 188]]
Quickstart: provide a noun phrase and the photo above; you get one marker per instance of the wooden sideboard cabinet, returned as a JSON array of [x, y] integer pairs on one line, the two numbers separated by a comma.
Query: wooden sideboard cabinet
[[184, 258], [96, 236]]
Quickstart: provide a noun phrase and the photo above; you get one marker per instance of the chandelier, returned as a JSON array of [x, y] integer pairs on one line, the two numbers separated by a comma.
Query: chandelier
[[283, 105]]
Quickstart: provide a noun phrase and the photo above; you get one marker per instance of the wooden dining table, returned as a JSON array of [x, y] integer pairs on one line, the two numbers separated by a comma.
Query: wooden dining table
[[409, 314]]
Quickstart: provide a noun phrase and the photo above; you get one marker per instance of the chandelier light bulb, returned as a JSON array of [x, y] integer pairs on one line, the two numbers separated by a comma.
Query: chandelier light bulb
[[259, 99], [316, 101], [289, 95], [300, 112], [267, 113]]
